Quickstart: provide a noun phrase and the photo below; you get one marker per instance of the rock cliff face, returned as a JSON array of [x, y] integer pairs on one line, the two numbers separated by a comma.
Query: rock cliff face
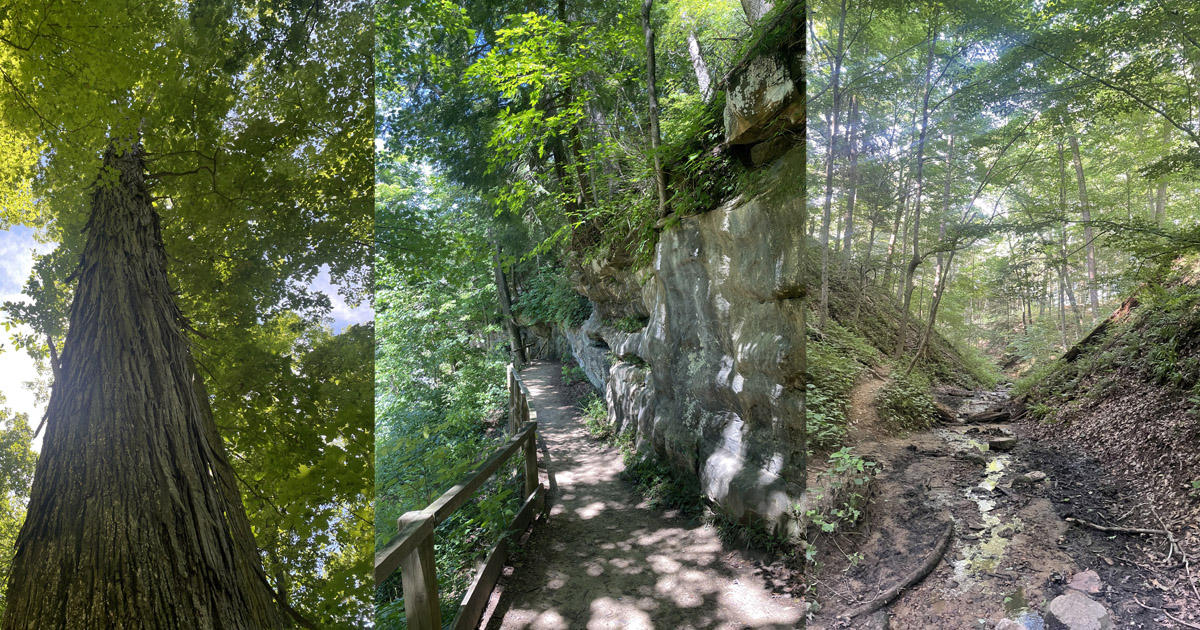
[[712, 381]]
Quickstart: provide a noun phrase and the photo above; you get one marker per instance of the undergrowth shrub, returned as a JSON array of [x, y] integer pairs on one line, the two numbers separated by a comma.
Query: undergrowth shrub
[[549, 298], [572, 374], [982, 369], [906, 402], [846, 478], [662, 487], [832, 373], [595, 416]]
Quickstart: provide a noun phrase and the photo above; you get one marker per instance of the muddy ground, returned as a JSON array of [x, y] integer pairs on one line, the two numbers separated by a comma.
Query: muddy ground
[[1012, 550]]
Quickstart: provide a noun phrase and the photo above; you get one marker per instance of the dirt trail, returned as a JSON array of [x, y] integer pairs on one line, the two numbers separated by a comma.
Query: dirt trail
[[605, 560], [1012, 551]]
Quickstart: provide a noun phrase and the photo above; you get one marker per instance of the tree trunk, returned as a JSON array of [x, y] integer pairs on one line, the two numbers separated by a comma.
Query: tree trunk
[[703, 78], [830, 156], [853, 184], [1087, 230], [1160, 203], [889, 262], [755, 9], [902, 331], [510, 323], [863, 268], [942, 220], [660, 178], [1065, 269], [134, 519]]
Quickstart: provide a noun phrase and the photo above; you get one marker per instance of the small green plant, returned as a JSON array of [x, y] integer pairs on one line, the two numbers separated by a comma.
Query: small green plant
[[628, 324], [595, 416], [1040, 411], [572, 374], [662, 487], [1195, 492], [846, 478]]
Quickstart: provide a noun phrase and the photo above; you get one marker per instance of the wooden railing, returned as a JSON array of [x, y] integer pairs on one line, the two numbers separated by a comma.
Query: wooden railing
[[411, 551]]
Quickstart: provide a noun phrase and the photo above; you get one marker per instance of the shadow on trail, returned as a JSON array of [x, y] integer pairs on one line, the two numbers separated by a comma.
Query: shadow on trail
[[605, 560]]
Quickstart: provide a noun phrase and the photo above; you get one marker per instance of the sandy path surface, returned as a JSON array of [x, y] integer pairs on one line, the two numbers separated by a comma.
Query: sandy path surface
[[605, 560]]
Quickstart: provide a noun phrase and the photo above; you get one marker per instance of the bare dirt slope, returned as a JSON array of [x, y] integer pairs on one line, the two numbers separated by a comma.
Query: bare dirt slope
[[605, 560], [1012, 551]]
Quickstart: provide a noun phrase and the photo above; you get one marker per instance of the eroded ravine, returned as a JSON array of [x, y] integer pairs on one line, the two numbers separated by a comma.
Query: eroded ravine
[[1013, 552]]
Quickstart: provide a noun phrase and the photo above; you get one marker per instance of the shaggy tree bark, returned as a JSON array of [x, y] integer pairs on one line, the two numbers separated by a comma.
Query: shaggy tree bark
[[134, 520]]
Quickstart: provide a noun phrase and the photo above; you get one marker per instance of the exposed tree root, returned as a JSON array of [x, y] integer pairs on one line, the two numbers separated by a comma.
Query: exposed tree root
[[1121, 530], [931, 561]]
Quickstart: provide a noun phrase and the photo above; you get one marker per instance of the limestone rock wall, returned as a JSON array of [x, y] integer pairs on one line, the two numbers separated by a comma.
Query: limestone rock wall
[[711, 383]]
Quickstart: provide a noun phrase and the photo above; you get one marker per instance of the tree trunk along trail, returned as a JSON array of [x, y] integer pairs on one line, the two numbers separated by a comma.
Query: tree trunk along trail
[[1087, 231], [134, 518], [660, 178], [830, 156]]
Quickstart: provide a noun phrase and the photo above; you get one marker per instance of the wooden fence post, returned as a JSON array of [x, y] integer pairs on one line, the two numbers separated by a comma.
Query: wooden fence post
[[421, 606], [531, 473]]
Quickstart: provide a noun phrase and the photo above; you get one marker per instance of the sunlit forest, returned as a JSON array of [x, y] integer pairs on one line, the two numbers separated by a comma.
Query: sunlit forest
[[516, 142], [1019, 181]]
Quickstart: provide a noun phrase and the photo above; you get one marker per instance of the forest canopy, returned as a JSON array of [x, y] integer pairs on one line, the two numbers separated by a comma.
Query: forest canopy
[[1030, 163]]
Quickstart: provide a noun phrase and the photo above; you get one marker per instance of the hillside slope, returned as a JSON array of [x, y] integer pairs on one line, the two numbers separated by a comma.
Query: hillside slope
[[1128, 393]]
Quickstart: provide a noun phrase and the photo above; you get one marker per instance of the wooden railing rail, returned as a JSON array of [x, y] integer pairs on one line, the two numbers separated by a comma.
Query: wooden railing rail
[[412, 551]]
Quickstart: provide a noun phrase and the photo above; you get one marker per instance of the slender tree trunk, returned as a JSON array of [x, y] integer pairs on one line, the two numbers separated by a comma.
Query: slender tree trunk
[[1062, 311], [703, 78], [135, 519], [1160, 203], [660, 178], [945, 211], [830, 157], [853, 184], [1065, 269], [900, 215], [510, 322], [1128, 197], [902, 330], [862, 269], [1087, 230], [889, 262], [942, 271]]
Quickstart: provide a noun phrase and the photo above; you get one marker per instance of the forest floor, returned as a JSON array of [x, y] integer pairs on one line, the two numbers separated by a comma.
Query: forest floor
[[606, 559], [1012, 550]]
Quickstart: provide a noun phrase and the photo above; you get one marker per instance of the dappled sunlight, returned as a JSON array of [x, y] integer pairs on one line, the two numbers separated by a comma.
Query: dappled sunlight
[[611, 613], [607, 560], [590, 510]]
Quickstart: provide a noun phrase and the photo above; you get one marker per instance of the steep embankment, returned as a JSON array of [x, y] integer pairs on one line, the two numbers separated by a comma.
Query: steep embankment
[[1080, 509], [1129, 393]]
